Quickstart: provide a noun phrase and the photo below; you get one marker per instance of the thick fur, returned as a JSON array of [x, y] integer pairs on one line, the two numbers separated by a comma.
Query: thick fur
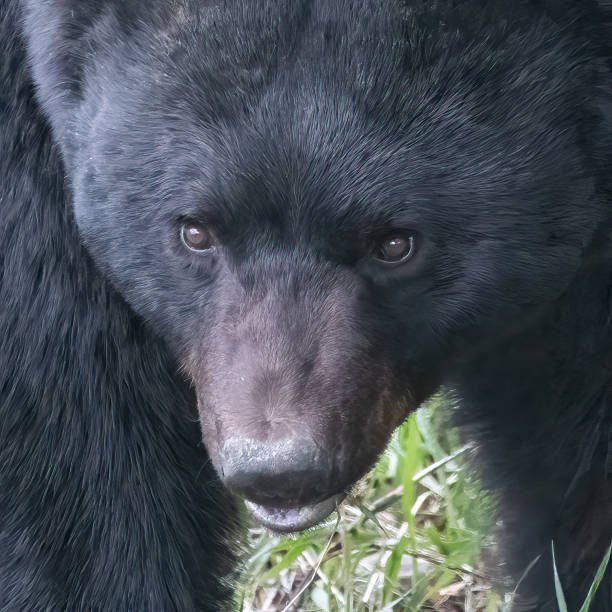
[[301, 133], [107, 499]]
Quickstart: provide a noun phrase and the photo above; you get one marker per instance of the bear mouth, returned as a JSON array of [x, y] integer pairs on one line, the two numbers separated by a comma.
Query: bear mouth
[[291, 519]]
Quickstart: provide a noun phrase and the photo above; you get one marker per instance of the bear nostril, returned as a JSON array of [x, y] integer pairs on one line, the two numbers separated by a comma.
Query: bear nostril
[[280, 473]]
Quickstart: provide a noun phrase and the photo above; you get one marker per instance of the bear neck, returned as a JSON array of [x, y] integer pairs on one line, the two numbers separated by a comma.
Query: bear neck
[[538, 408]]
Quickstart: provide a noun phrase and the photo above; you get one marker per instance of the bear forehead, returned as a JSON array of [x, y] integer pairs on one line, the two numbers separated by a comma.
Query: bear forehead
[[412, 97], [387, 56]]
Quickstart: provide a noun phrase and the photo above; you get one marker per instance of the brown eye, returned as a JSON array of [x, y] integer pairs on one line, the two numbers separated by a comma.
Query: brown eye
[[196, 238], [395, 248]]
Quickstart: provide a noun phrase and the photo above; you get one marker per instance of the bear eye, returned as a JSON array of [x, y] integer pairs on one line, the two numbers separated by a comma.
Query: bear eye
[[196, 237], [396, 248]]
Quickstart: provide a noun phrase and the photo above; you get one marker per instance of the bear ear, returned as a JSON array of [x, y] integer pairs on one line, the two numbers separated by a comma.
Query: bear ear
[[58, 34]]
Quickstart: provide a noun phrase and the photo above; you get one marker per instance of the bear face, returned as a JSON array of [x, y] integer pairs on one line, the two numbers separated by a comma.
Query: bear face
[[323, 220]]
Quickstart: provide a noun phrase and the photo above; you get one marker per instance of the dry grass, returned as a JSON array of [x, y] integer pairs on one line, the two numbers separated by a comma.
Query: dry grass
[[408, 539]]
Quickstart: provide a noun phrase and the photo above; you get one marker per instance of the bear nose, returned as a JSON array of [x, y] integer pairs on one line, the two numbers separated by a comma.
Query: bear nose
[[285, 472]]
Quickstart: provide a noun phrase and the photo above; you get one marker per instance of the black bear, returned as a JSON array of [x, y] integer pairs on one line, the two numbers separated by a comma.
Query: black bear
[[287, 224]]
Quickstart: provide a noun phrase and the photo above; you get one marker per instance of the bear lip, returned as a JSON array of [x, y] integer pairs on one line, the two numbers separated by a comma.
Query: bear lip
[[287, 520]]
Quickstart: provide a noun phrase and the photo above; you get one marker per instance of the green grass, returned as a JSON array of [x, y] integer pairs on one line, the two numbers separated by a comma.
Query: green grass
[[409, 538]]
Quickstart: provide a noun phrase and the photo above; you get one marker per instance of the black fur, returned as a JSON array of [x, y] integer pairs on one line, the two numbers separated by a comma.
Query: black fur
[[301, 134], [107, 501]]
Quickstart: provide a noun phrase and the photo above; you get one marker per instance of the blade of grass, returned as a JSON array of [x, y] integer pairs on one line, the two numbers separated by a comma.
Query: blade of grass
[[314, 570], [292, 553], [438, 464], [392, 568], [558, 588], [601, 570], [412, 457]]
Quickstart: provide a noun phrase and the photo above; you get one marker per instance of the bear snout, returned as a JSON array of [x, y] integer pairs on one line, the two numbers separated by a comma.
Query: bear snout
[[281, 473]]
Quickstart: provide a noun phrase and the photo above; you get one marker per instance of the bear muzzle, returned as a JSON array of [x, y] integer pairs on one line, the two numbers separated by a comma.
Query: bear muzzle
[[287, 484]]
